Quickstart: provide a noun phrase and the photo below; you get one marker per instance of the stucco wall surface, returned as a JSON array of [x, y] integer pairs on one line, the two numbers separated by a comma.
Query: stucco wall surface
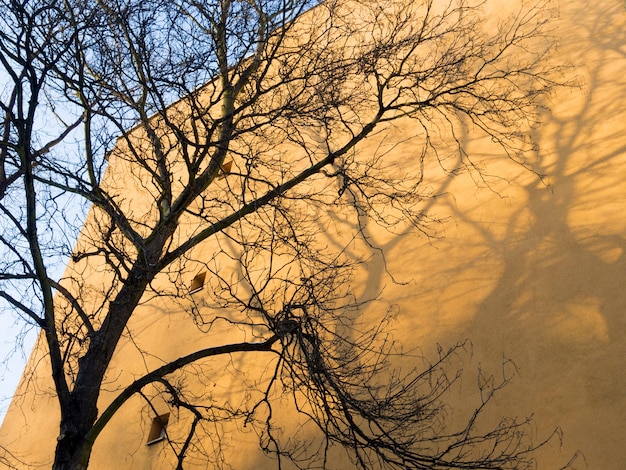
[[532, 273]]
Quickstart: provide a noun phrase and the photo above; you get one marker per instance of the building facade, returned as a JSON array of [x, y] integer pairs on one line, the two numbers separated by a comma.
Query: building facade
[[531, 272]]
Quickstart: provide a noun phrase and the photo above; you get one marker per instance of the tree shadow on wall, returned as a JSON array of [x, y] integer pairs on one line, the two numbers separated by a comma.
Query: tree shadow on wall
[[557, 306]]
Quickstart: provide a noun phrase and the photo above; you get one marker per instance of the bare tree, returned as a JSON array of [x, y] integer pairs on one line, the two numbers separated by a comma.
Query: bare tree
[[237, 124]]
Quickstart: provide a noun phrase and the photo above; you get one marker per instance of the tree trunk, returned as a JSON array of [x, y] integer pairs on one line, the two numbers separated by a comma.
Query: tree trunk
[[72, 453]]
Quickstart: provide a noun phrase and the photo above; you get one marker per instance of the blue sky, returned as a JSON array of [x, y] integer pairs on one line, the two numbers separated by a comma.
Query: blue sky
[[12, 360]]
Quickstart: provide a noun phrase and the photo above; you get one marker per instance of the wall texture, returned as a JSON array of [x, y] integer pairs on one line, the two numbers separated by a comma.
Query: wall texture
[[529, 272]]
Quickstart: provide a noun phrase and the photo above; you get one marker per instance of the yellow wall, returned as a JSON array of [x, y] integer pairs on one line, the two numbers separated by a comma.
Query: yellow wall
[[530, 272]]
